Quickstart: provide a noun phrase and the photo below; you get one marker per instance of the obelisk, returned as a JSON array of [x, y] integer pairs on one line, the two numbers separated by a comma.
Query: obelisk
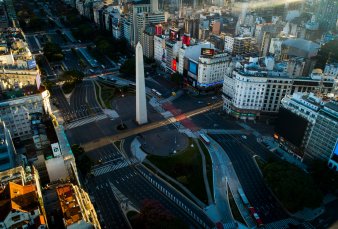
[[141, 102]]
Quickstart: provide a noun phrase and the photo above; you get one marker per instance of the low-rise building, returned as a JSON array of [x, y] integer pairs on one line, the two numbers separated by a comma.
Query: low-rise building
[[77, 209], [16, 112], [21, 199]]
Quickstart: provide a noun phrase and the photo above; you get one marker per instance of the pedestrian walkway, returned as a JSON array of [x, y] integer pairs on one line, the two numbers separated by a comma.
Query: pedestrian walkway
[[108, 168], [85, 121]]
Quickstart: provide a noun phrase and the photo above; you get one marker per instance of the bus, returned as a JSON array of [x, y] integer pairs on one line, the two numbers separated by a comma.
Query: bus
[[256, 217], [243, 197], [204, 139], [156, 92]]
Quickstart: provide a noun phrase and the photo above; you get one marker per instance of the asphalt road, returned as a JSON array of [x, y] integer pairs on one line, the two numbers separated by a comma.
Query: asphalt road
[[251, 180], [82, 104]]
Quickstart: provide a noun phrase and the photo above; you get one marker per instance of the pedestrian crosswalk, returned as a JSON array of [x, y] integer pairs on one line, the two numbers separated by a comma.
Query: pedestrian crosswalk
[[85, 121], [110, 167]]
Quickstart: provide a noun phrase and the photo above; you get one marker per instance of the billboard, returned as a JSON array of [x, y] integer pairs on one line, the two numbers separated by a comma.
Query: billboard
[[335, 153], [192, 67], [174, 35], [56, 149], [31, 64], [174, 65], [186, 39], [207, 52]]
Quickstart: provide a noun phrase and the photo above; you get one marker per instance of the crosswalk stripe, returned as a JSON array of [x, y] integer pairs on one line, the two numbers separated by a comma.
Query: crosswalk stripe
[[85, 121], [109, 168]]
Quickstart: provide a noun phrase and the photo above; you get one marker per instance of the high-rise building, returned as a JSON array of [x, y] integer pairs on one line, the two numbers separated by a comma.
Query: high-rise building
[[327, 14], [7, 150], [147, 41], [144, 19], [324, 133]]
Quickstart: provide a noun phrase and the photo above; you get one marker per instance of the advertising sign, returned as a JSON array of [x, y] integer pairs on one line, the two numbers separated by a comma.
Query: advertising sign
[[56, 149], [207, 52]]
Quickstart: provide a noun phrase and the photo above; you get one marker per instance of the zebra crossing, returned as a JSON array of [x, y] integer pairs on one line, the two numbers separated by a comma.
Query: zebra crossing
[[85, 121], [110, 167]]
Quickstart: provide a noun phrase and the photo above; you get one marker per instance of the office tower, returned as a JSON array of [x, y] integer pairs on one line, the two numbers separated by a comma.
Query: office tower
[[327, 14]]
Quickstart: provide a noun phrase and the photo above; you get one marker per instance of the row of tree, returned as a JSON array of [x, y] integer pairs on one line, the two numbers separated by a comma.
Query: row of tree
[[297, 189]]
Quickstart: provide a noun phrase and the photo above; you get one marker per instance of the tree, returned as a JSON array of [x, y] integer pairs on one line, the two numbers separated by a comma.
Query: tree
[[325, 178], [53, 52], [72, 76], [83, 162], [154, 215], [328, 52], [293, 187], [129, 66], [177, 78]]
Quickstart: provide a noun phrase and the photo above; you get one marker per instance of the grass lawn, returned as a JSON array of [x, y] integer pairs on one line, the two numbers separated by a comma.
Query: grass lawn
[[107, 94], [208, 165], [186, 168]]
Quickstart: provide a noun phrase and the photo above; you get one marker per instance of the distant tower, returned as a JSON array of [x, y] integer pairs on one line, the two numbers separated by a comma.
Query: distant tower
[[141, 102], [154, 6], [180, 8]]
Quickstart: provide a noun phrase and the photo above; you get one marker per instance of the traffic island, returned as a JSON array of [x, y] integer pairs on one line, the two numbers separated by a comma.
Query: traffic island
[[186, 167]]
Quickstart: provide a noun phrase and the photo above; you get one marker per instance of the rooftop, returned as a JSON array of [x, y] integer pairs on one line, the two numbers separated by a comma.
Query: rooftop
[[69, 205]]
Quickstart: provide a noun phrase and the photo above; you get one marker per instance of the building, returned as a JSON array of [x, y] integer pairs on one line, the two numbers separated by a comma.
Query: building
[[327, 14], [135, 10], [191, 26], [296, 118], [333, 162], [144, 19], [241, 45], [171, 54], [248, 93], [211, 68], [159, 50], [16, 113], [7, 150], [76, 207], [147, 41], [202, 66], [21, 199], [324, 134]]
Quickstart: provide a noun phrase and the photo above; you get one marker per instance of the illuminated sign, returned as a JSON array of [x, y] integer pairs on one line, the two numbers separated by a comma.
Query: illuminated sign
[[174, 65], [207, 52]]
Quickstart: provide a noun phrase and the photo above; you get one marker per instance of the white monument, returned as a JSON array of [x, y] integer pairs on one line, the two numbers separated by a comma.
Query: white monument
[[141, 102]]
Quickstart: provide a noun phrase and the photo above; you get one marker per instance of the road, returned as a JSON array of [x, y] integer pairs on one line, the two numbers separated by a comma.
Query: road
[[116, 177], [251, 180], [97, 143]]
